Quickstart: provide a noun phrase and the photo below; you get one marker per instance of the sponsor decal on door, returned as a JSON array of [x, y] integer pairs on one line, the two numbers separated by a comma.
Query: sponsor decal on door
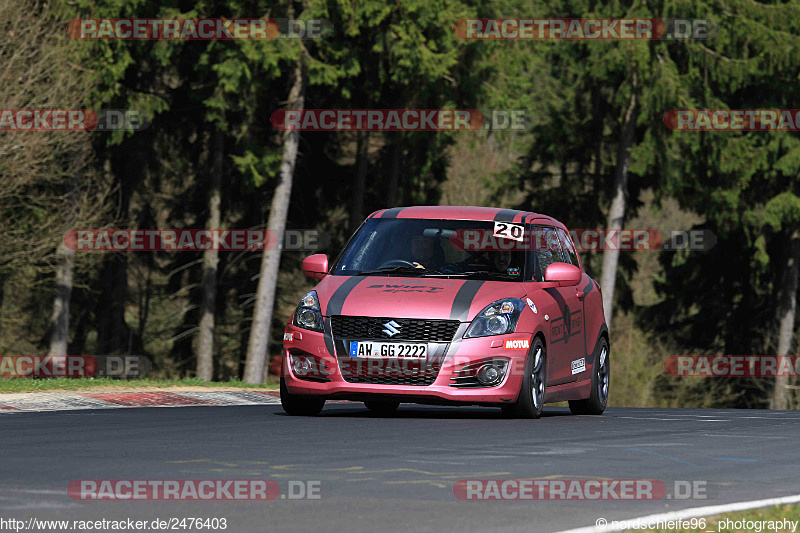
[[578, 366]]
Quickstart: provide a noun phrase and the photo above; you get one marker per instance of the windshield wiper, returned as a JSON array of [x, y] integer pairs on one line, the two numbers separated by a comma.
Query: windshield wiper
[[423, 272], [397, 270], [479, 273]]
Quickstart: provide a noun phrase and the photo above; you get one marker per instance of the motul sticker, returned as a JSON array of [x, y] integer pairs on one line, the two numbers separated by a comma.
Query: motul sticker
[[578, 366], [288, 337], [518, 344]]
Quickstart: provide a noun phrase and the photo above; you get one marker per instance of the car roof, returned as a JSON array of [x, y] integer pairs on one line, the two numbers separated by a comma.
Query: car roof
[[451, 212]]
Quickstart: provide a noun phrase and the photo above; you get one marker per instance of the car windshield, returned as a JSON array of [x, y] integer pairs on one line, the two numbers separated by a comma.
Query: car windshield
[[434, 248]]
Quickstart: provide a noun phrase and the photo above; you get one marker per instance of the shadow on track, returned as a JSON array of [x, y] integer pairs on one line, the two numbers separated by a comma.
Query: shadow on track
[[426, 412]]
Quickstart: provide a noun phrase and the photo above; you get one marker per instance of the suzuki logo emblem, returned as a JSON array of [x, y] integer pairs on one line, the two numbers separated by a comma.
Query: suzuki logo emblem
[[392, 328]]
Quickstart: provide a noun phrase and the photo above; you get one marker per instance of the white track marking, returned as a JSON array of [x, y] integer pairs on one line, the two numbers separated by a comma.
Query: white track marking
[[760, 437], [685, 514]]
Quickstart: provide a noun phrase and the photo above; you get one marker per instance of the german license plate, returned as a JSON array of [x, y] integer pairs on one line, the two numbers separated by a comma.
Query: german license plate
[[388, 349]]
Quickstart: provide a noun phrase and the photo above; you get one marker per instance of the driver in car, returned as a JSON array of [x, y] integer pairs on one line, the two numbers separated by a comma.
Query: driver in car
[[502, 260], [422, 251]]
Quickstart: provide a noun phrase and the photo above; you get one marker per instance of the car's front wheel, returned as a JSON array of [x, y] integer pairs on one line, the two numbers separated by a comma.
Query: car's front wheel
[[296, 405], [595, 404], [530, 402]]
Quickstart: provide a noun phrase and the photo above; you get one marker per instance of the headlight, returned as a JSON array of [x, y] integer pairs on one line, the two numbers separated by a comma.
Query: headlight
[[498, 318], [308, 314]]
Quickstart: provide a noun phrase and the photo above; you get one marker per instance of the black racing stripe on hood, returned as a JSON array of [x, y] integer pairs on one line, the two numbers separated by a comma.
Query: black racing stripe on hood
[[334, 307], [392, 213], [452, 348], [588, 288], [557, 297], [336, 301], [327, 336], [463, 300], [506, 215]]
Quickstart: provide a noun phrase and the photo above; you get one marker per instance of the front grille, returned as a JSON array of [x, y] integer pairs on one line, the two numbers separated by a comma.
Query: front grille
[[410, 329], [386, 372], [419, 381]]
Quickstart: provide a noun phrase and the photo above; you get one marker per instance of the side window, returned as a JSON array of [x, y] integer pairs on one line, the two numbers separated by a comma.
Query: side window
[[569, 249], [548, 249]]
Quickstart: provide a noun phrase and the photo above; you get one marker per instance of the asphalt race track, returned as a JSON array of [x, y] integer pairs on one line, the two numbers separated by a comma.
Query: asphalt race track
[[394, 474]]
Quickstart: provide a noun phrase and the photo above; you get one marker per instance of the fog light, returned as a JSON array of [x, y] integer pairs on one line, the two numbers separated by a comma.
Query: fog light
[[489, 374], [301, 365]]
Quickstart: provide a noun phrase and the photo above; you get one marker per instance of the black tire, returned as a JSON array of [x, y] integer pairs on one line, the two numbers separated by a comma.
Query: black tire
[[528, 404], [596, 403], [382, 408], [297, 405]]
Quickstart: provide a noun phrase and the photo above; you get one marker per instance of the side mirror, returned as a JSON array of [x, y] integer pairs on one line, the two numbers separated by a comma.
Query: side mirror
[[315, 266], [562, 273]]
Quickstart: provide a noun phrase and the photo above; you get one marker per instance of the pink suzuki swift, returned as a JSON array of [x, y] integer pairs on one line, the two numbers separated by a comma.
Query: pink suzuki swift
[[449, 305]]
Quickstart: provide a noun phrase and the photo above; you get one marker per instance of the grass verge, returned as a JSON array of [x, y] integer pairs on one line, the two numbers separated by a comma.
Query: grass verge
[[768, 519]]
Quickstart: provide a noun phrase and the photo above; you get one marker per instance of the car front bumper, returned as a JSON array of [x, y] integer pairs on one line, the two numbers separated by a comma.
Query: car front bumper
[[459, 354]]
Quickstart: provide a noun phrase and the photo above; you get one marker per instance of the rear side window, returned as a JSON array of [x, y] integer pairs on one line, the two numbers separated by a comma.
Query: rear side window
[[548, 248], [569, 249]]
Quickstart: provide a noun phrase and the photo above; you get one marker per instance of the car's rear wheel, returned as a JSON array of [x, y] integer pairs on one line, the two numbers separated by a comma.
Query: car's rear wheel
[[297, 405], [382, 408], [596, 403], [530, 402]]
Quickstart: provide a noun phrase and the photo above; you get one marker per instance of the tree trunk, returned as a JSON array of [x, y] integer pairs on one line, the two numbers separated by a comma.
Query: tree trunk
[[357, 204], [255, 369], [144, 299], [616, 214], [59, 322], [598, 124], [112, 331], [205, 341], [394, 176], [787, 306], [2, 299], [65, 259], [109, 307]]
